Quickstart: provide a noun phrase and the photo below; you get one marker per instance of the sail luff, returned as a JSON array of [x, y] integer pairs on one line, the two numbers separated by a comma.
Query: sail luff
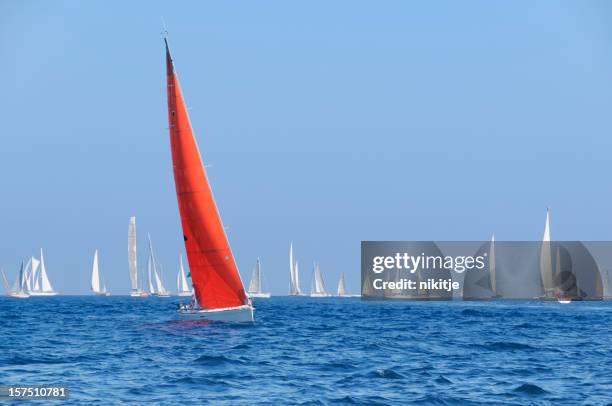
[[214, 273]]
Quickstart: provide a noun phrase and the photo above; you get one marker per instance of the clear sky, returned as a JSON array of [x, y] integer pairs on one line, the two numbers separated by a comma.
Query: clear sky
[[325, 123]]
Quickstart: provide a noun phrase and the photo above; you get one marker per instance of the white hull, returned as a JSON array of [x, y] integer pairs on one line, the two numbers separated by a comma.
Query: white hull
[[43, 293], [138, 293], [18, 295], [239, 314], [565, 301], [259, 295], [184, 294], [102, 293], [320, 295]]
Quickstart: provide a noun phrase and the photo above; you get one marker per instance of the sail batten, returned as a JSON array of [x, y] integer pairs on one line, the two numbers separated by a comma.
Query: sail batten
[[212, 266]]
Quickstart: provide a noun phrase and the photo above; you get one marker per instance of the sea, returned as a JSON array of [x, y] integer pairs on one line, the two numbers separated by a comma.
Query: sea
[[307, 351]]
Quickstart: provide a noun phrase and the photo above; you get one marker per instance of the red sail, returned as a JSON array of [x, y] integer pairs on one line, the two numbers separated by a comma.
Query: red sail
[[213, 270]]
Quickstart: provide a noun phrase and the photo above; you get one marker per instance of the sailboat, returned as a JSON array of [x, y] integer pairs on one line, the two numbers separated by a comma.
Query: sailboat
[[41, 286], [156, 287], [255, 284], [493, 269], [341, 286], [546, 273], [97, 285], [20, 290], [294, 275], [318, 287], [219, 291], [136, 291], [181, 281]]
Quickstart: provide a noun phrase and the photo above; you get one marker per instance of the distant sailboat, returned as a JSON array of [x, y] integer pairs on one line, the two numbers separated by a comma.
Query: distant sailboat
[[546, 273], [294, 275], [219, 292], [19, 290], [341, 286], [493, 269], [40, 280], [318, 286], [156, 287], [136, 290], [98, 287], [255, 284], [181, 281]]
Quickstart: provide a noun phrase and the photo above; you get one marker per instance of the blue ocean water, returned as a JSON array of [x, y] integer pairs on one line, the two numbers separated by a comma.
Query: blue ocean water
[[111, 350]]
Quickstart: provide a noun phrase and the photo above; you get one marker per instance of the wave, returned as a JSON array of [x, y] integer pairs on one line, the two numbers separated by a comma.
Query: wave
[[217, 360], [504, 346], [530, 389]]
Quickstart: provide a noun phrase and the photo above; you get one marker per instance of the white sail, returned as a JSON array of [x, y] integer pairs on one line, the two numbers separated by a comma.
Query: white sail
[[46, 285], [492, 270], [95, 274], [150, 271], [296, 271], [7, 287], [292, 290], [318, 285], [34, 274], [255, 284], [181, 279], [132, 257], [24, 284], [546, 260], [161, 289], [341, 286], [158, 286]]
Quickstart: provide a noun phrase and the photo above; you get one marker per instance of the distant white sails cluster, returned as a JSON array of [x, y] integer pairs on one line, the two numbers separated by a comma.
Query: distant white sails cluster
[[32, 280], [317, 286]]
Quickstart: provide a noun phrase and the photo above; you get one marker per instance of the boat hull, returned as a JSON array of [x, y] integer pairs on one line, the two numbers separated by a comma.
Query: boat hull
[[102, 293], [320, 295], [184, 294], [138, 293], [43, 293], [259, 295], [239, 314], [18, 295]]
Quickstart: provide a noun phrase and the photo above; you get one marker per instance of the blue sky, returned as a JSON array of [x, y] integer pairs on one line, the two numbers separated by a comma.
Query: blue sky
[[325, 123]]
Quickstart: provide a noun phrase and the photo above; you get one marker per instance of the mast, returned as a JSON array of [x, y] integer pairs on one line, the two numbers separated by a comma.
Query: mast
[[213, 269], [492, 269], [132, 257]]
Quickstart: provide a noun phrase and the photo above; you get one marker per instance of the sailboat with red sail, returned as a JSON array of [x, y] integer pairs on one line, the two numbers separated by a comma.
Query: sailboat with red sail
[[218, 289]]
